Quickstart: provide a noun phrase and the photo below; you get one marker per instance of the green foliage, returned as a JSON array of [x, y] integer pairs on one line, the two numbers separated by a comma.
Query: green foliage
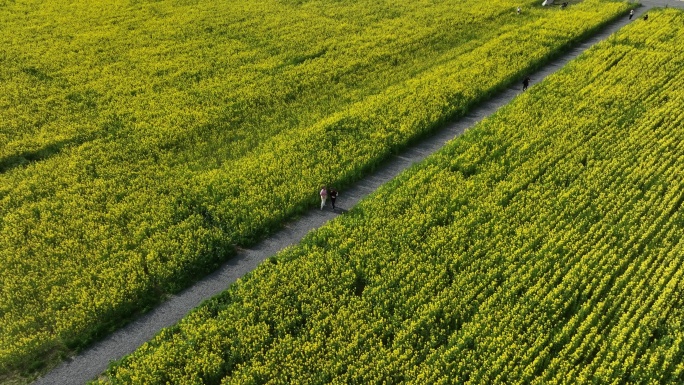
[[556, 259], [142, 140]]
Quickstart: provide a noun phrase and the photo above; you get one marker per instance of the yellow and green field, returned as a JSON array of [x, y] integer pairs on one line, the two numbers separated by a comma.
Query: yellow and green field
[[544, 246], [141, 141]]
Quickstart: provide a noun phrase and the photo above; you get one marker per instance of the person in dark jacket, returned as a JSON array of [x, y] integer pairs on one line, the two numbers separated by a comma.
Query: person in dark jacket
[[333, 195], [526, 83]]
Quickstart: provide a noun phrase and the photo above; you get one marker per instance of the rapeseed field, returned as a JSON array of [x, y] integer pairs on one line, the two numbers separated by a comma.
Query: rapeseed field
[[142, 141], [544, 246]]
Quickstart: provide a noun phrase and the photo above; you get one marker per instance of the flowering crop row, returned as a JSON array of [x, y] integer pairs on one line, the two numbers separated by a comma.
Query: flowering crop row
[[141, 141], [543, 246]]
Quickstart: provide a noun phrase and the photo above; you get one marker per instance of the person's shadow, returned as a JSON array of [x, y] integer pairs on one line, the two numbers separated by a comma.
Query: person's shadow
[[338, 210]]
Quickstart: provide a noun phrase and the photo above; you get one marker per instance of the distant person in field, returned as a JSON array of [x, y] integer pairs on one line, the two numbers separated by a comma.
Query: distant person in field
[[631, 14], [519, 10], [526, 83], [645, 17], [333, 196], [324, 196]]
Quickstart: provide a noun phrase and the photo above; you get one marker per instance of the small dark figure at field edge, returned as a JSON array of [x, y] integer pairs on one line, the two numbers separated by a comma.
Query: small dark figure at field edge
[[333, 195], [645, 17], [526, 83], [631, 14]]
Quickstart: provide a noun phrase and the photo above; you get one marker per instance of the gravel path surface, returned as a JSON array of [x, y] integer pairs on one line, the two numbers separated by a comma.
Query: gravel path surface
[[93, 361]]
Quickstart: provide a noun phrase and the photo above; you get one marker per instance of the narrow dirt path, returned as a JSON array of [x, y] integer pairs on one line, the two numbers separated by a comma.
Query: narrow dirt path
[[93, 361]]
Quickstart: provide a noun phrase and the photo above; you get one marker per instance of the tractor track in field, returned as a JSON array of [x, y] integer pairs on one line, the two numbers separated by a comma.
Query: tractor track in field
[[91, 362]]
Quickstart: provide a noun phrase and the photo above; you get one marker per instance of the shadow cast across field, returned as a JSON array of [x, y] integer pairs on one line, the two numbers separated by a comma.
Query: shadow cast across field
[[11, 162]]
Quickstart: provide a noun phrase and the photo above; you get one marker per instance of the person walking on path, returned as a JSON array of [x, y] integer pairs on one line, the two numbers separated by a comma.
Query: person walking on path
[[631, 14], [526, 83], [324, 196], [333, 196]]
